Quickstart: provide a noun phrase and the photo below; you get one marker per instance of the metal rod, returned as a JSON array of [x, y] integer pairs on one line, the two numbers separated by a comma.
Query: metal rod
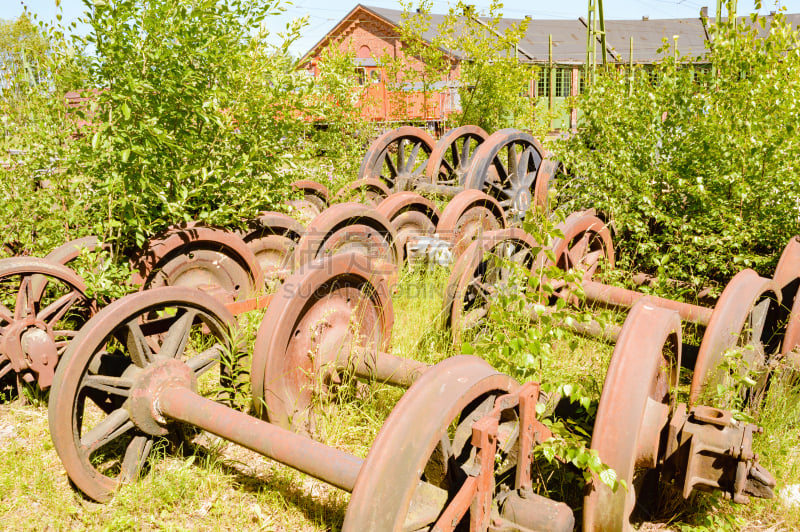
[[304, 454], [389, 368], [443, 190], [551, 80], [622, 297]]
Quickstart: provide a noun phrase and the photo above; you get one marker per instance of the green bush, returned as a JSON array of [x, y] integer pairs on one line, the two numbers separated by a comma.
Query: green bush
[[696, 164]]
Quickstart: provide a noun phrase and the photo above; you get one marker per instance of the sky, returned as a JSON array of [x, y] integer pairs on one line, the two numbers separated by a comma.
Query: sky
[[323, 15]]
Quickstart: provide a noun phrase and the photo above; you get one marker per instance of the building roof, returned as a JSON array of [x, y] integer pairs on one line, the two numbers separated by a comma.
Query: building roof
[[569, 36]]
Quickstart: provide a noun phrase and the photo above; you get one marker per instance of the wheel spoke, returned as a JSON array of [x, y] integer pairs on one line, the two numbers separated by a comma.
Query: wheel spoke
[[454, 151], [5, 366], [577, 250], [502, 174], [111, 428], [499, 189], [6, 316], [178, 335], [206, 360], [465, 152], [412, 158], [139, 350], [112, 385], [513, 164], [390, 164], [401, 155], [25, 299], [56, 310], [135, 457]]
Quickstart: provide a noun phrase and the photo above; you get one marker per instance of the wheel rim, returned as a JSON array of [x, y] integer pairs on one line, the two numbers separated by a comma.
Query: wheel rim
[[506, 167], [68, 252], [748, 315], [453, 155], [470, 214], [413, 436], [272, 239], [586, 246], [348, 227], [42, 306], [411, 215], [478, 278], [201, 257], [90, 413], [316, 308], [368, 191], [313, 192], [634, 409], [398, 158], [787, 277]]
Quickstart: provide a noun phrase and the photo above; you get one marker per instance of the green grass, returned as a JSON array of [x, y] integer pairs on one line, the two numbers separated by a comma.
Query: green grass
[[213, 484]]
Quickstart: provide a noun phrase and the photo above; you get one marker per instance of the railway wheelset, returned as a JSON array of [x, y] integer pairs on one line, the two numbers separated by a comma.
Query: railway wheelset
[[457, 450]]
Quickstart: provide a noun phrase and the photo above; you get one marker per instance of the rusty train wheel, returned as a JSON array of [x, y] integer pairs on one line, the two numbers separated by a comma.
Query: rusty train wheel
[[350, 227], [411, 215], [42, 306], [634, 410], [485, 270], [329, 306], [272, 238], [314, 201], [68, 252], [453, 154], [467, 216], [93, 414], [787, 277], [200, 257], [424, 460], [511, 166], [369, 191], [398, 158], [586, 246], [747, 316]]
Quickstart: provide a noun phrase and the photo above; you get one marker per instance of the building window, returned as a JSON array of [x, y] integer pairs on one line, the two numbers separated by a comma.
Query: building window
[[361, 75], [563, 82]]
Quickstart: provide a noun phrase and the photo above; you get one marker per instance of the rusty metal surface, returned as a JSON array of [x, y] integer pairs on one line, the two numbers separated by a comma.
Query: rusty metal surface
[[747, 314], [314, 200], [410, 446], [201, 257], [398, 158], [335, 467], [453, 154], [48, 304], [71, 250], [347, 227], [706, 450], [318, 314], [468, 215], [411, 215], [586, 240], [787, 277], [369, 191], [507, 166], [634, 408], [616, 296], [272, 238], [90, 407], [480, 274]]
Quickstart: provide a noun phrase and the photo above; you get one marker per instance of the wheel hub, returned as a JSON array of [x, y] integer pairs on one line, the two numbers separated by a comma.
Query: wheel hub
[[143, 405], [29, 345]]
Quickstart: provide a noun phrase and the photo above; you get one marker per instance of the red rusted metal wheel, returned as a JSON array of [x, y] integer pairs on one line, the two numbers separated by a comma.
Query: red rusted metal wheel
[[213, 260], [787, 277], [42, 306], [411, 215], [272, 238], [95, 404], [488, 268], [514, 168], [423, 446], [68, 252], [350, 227], [398, 158], [315, 199], [747, 316], [636, 403], [327, 308], [453, 154], [468, 215], [369, 191], [586, 246]]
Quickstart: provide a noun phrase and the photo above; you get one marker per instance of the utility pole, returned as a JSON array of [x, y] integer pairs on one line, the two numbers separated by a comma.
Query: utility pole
[[595, 26]]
